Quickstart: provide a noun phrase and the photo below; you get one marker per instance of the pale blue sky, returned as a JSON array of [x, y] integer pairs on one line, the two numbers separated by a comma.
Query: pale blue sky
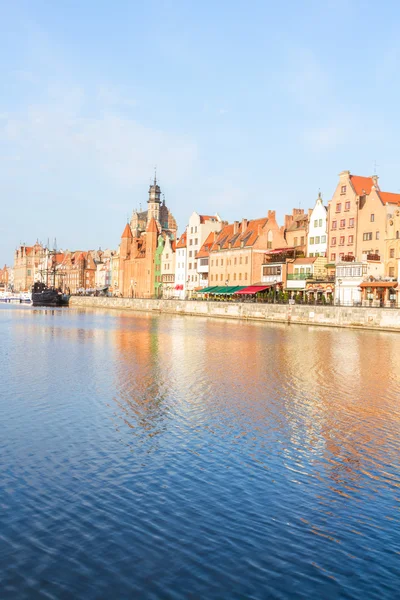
[[243, 106]]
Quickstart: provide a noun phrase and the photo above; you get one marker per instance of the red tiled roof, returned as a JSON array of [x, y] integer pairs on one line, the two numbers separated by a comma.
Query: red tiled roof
[[390, 197], [173, 245], [205, 249], [362, 185], [207, 218], [182, 241], [127, 233], [227, 236]]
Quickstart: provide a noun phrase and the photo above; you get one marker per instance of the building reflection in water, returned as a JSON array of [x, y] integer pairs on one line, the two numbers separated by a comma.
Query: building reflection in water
[[324, 394]]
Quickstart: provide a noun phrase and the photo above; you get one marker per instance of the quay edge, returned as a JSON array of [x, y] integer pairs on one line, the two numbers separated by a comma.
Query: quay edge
[[384, 319]]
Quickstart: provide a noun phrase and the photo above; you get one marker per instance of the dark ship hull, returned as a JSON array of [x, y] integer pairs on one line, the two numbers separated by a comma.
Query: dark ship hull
[[44, 296]]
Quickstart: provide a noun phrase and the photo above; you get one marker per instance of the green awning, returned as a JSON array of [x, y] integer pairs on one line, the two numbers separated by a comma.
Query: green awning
[[227, 290], [207, 290]]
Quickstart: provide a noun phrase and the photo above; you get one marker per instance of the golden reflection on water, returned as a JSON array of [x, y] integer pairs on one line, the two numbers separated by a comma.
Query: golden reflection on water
[[334, 393]]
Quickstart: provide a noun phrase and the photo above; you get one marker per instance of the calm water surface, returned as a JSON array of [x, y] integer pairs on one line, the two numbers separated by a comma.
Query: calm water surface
[[171, 457]]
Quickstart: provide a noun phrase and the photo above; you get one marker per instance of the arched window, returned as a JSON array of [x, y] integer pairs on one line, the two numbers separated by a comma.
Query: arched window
[[397, 235]]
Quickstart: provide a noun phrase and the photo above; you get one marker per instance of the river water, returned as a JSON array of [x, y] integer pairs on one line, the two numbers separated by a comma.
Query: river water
[[148, 456]]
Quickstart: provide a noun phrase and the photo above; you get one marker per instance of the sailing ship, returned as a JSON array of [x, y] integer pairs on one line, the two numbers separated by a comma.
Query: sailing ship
[[44, 294]]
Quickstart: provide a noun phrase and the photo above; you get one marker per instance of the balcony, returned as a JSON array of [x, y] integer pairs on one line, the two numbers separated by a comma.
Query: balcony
[[310, 277]]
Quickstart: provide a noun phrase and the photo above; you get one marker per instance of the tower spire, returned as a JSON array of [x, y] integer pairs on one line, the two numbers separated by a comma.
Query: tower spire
[[155, 175]]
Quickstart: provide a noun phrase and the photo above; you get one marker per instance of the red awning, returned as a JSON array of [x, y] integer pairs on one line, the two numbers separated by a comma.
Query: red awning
[[253, 289], [378, 284]]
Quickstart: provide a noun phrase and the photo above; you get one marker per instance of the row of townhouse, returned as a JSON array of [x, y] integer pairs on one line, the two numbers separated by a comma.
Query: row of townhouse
[[359, 225]]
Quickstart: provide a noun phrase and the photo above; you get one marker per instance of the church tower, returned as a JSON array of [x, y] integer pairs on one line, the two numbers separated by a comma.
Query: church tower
[[154, 202]]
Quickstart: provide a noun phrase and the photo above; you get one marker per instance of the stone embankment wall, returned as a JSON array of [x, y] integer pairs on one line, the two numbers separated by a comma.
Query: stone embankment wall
[[333, 316]]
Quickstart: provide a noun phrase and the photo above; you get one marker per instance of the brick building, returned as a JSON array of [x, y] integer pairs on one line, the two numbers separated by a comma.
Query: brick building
[[26, 262], [237, 253]]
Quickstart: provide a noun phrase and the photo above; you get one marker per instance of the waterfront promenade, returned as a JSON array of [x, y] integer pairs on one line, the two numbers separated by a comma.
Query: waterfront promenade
[[329, 316]]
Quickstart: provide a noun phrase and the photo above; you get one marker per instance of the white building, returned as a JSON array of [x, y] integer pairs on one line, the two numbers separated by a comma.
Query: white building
[[317, 241], [349, 277], [198, 229], [168, 259], [180, 267]]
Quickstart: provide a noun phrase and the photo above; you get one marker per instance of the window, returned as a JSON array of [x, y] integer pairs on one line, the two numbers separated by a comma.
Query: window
[[311, 241], [235, 260], [333, 241], [343, 189], [245, 276], [311, 254], [189, 266], [222, 262], [190, 242], [221, 277], [323, 239], [347, 206], [247, 260], [397, 235], [341, 255], [339, 207], [302, 240], [29, 272], [342, 240], [377, 235], [334, 224], [196, 241], [216, 263], [351, 222], [191, 230], [367, 236], [195, 229], [372, 218], [234, 277], [190, 254], [295, 241], [342, 223], [316, 223], [240, 276], [317, 240], [240, 260], [320, 223], [391, 271], [391, 253], [351, 239]]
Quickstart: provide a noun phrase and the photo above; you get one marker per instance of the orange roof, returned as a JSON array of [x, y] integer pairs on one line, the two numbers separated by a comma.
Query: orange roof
[[182, 241], [207, 218], [127, 233], [227, 236], [173, 245], [152, 226], [390, 197], [205, 249], [362, 185]]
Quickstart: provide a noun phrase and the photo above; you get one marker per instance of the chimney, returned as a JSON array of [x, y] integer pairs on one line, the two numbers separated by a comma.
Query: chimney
[[235, 227], [244, 225]]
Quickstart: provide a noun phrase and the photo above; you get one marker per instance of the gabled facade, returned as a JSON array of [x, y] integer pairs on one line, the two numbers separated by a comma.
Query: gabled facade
[[168, 258], [296, 230], [199, 227], [392, 242], [181, 266], [317, 241]]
